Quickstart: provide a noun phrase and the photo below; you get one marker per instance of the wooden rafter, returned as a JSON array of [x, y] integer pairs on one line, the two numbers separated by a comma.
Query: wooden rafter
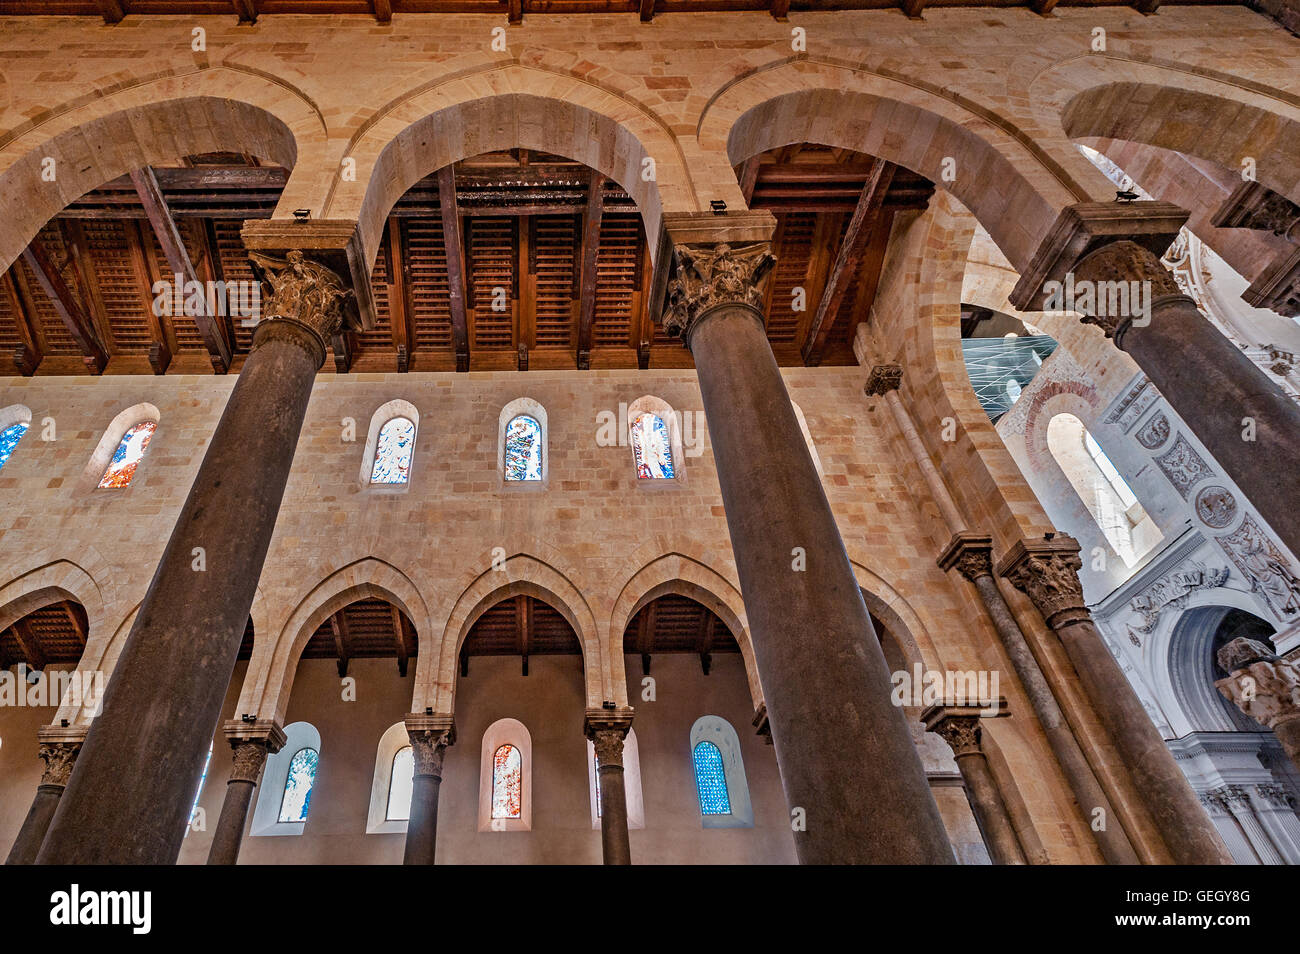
[[865, 219], [82, 267], [400, 303], [77, 629], [748, 177], [246, 10], [1147, 7], [451, 234], [645, 637], [111, 10], [342, 641], [163, 345], [590, 256], [66, 305], [383, 10], [780, 10], [707, 622], [28, 643], [399, 640], [524, 622], [178, 259], [515, 12], [647, 10], [1042, 7], [29, 354]]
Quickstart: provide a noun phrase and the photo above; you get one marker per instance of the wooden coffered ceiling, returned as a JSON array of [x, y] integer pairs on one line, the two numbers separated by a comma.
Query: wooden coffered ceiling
[[366, 629], [52, 634], [248, 11], [677, 624], [548, 267]]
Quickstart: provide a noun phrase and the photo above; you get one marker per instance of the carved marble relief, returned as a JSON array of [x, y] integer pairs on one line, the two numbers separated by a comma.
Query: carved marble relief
[[1263, 564], [1183, 466], [1173, 589], [1134, 404], [1154, 432], [1216, 506]]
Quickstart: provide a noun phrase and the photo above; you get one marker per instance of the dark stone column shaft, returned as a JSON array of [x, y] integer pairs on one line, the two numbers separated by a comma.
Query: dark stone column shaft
[[229, 833], [129, 797], [430, 736], [824, 676], [59, 758], [960, 728], [607, 740], [250, 743]]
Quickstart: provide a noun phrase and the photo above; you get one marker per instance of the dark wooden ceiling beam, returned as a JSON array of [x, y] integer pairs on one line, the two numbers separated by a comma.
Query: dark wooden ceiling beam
[[748, 177], [342, 641], [524, 626], [856, 238], [383, 10], [401, 303], [515, 12], [399, 640], [780, 10], [66, 305], [707, 623], [246, 10], [590, 256], [1042, 7], [647, 10], [28, 643], [1147, 7], [178, 259], [29, 353], [77, 629], [111, 10], [451, 234], [913, 8]]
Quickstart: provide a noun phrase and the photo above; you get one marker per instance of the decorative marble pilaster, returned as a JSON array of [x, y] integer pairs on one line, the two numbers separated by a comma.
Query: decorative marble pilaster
[[825, 680], [1047, 572], [250, 743], [1265, 687], [607, 728], [430, 735], [129, 798], [59, 747]]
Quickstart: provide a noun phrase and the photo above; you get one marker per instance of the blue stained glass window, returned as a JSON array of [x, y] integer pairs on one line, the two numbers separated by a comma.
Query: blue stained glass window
[[297, 788], [129, 453], [711, 780], [651, 447], [9, 439], [202, 778], [523, 449], [393, 452]]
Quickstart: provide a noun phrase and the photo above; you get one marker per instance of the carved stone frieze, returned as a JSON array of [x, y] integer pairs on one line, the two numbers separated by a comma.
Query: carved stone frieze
[[302, 292], [1183, 467], [1174, 589], [59, 757], [712, 275], [1262, 562], [883, 379], [1154, 432], [1139, 397], [1275, 796], [1216, 506]]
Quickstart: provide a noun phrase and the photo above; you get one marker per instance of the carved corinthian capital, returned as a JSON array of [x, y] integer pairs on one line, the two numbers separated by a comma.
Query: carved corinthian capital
[[971, 554], [608, 744], [1047, 571], [302, 292], [59, 757], [1135, 266], [962, 733], [249, 760], [712, 275], [882, 379], [1262, 685], [430, 735]]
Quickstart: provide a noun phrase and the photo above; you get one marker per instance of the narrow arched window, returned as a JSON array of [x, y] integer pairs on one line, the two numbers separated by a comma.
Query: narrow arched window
[[393, 452], [651, 447], [523, 458], [9, 439], [399, 785], [297, 787], [711, 780], [507, 782], [129, 453], [1117, 483]]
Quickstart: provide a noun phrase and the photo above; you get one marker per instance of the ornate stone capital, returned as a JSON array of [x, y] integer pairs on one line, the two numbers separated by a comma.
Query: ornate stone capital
[[59, 757], [882, 379], [1261, 685], [1253, 205], [712, 275], [971, 554], [430, 735], [959, 725], [1047, 571], [608, 744], [250, 758], [1275, 796], [1132, 265], [606, 728], [303, 293], [251, 742]]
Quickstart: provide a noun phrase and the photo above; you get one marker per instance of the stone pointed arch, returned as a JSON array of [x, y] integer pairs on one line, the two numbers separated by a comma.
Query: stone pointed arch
[[144, 120], [905, 625], [501, 107], [1012, 185], [681, 574], [520, 573], [269, 680]]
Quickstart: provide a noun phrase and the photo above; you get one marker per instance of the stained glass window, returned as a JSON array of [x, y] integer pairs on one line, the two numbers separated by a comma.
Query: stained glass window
[[399, 785], [202, 778], [507, 783], [9, 439], [651, 448], [523, 449], [711, 780], [393, 452], [128, 455], [595, 767], [297, 787]]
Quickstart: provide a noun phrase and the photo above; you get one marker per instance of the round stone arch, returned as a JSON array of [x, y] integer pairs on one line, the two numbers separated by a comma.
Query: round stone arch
[[684, 576], [905, 625], [1176, 654], [520, 574], [429, 128], [269, 679], [1011, 184], [147, 120]]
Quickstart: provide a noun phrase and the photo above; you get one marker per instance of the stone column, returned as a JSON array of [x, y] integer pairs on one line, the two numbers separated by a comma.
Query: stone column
[[607, 728], [1265, 687], [850, 771], [959, 726], [129, 797], [251, 742], [1245, 420], [1047, 572], [972, 556], [59, 748], [430, 735]]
